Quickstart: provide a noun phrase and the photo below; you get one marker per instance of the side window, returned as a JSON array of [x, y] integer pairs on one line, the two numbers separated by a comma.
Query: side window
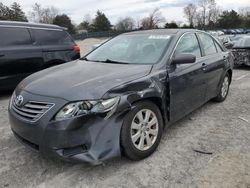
[[218, 47], [188, 44], [52, 37], [207, 43], [11, 36]]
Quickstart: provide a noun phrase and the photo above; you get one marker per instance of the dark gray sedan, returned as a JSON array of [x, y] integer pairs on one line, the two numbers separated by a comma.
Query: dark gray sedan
[[119, 98]]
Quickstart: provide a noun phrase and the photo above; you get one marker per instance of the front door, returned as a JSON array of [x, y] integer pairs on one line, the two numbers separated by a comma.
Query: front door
[[186, 81]]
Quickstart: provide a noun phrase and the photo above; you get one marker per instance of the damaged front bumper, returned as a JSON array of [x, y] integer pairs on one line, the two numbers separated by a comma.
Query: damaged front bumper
[[89, 138], [242, 56]]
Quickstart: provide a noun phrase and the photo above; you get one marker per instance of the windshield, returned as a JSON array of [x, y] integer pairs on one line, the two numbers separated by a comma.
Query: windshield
[[243, 42], [132, 49]]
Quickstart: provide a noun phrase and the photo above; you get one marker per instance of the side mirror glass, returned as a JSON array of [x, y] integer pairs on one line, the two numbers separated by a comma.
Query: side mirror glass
[[184, 59]]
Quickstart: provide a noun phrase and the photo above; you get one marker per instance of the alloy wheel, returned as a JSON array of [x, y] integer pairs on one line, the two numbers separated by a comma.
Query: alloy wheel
[[225, 86], [144, 129]]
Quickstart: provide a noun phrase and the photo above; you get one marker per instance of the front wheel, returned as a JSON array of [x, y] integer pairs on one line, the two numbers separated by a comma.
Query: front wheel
[[224, 89], [142, 130]]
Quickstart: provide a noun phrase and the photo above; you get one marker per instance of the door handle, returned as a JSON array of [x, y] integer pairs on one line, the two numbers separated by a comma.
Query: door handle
[[203, 66], [1, 55]]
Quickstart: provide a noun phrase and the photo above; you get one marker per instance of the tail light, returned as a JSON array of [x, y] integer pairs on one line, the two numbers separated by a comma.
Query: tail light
[[77, 48]]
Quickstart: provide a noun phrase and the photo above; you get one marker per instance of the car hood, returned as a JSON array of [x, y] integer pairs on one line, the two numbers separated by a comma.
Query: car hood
[[82, 80]]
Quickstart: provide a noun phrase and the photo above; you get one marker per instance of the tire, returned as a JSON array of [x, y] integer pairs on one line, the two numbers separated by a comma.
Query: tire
[[152, 130], [224, 89]]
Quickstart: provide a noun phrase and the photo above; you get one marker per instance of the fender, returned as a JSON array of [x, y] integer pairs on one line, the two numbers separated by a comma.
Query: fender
[[150, 88]]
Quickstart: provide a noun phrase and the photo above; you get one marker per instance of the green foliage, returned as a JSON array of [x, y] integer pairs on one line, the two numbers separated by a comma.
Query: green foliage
[[85, 25], [229, 19], [64, 21], [4, 12], [13, 13], [101, 22], [171, 25]]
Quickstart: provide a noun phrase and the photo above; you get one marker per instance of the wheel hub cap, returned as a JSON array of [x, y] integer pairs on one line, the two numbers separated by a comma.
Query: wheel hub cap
[[224, 88], [144, 129]]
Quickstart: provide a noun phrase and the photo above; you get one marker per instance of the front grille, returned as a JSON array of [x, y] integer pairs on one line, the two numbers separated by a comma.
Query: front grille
[[32, 111]]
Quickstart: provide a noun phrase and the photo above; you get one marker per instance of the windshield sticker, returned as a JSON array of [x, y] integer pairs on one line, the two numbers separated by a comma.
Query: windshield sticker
[[164, 37]]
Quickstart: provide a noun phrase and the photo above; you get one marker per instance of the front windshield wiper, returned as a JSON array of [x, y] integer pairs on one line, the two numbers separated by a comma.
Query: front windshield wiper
[[104, 61], [84, 58], [112, 61]]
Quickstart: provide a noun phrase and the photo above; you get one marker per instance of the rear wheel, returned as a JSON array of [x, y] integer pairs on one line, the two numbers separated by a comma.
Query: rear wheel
[[224, 89], [142, 130]]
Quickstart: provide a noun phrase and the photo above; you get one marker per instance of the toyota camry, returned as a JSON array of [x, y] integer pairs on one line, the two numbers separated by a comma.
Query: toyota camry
[[118, 99]]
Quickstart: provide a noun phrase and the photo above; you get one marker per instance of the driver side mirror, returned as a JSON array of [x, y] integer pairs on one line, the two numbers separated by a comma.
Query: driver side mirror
[[184, 59]]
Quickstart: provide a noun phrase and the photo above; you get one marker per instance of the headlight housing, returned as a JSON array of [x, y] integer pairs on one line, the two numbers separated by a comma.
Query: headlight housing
[[13, 96], [88, 107]]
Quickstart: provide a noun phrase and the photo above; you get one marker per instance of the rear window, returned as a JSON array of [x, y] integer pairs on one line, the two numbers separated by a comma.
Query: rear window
[[11, 36], [208, 44], [218, 47], [52, 37]]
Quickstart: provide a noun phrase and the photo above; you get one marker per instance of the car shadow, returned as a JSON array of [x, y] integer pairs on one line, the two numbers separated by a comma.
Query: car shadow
[[242, 68], [5, 94]]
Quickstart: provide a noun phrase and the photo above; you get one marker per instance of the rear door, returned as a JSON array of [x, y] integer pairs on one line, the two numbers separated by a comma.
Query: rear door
[[18, 56], [187, 81], [56, 44], [214, 63]]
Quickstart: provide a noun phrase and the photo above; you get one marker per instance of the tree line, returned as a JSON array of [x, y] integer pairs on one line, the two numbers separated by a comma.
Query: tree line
[[205, 14]]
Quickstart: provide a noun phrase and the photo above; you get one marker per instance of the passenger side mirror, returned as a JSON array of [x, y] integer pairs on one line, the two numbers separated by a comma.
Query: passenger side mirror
[[184, 59]]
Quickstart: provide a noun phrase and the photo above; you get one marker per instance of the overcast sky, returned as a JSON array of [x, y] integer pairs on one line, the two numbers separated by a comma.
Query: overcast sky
[[114, 9]]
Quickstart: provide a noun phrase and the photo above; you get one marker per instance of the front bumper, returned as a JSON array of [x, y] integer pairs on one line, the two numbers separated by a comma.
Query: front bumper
[[89, 138]]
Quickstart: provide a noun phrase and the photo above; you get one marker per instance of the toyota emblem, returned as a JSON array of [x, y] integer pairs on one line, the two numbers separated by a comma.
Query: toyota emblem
[[19, 100]]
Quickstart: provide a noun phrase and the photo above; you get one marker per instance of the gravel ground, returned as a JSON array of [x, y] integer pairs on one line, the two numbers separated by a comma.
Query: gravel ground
[[87, 45], [220, 129]]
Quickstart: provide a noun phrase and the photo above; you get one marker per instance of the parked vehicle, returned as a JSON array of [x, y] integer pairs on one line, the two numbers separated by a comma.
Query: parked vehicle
[[26, 48], [119, 98], [241, 51], [226, 41], [235, 38]]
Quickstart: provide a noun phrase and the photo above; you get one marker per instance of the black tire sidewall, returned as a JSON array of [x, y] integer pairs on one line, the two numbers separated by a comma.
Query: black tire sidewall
[[126, 142], [219, 97]]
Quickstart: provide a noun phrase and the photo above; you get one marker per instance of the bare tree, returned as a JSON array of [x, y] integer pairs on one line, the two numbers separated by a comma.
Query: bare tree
[[204, 9], [49, 15], [208, 11], [214, 15], [152, 21], [43, 15], [125, 24], [198, 20], [213, 12], [190, 13]]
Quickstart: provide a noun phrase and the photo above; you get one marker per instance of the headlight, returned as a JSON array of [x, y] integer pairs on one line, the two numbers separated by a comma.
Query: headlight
[[13, 96], [88, 107]]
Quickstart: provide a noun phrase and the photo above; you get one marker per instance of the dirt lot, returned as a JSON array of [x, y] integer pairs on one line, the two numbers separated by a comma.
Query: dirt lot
[[87, 45], [222, 129]]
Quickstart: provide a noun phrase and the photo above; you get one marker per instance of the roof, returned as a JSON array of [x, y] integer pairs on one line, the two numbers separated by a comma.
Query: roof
[[162, 31], [28, 24]]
